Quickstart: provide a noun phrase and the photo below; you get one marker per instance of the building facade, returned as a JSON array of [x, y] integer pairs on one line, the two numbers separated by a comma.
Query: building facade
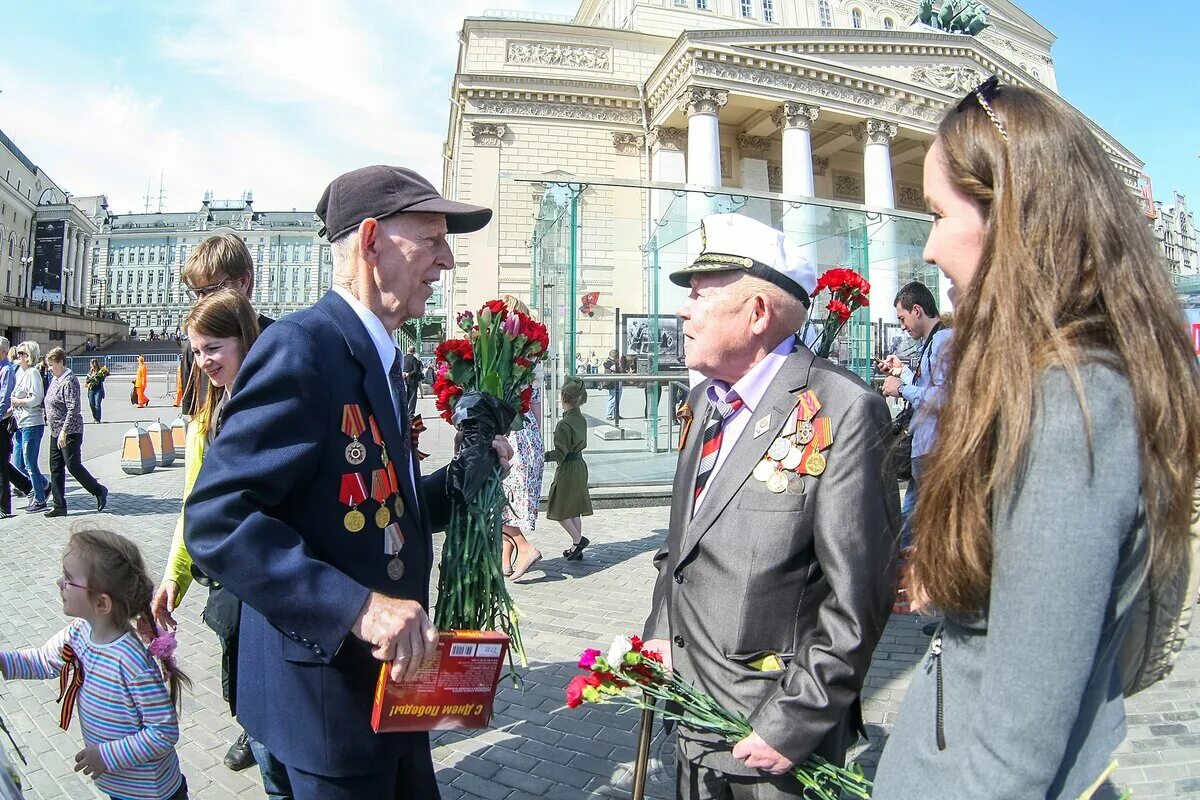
[[1175, 229], [833, 101], [139, 257]]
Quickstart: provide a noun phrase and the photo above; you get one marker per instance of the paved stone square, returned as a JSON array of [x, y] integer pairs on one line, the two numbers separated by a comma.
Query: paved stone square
[[535, 747]]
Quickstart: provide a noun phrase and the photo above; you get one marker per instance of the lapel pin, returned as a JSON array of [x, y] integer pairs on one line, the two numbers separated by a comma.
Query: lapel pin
[[762, 426]]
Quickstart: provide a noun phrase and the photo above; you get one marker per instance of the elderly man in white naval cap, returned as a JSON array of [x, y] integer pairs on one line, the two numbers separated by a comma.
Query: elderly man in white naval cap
[[777, 574]]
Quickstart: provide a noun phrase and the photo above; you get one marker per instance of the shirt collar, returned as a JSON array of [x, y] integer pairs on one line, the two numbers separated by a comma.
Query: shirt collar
[[753, 385], [379, 335]]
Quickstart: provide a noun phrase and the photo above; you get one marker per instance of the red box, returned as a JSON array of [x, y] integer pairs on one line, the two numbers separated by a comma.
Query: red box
[[454, 690]]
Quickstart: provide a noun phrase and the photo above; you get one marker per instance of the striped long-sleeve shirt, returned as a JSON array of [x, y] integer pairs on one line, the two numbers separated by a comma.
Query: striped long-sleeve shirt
[[123, 707]]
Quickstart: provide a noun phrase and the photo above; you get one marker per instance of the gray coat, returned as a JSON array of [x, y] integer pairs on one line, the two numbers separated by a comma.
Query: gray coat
[[807, 574], [1032, 698]]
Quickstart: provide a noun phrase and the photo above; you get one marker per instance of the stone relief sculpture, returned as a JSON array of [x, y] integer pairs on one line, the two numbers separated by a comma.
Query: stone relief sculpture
[[955, 79], [549, 54]]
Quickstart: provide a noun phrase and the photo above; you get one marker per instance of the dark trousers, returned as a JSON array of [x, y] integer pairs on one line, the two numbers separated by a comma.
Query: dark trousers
[[70, 459], [412, 779], [9, 476], [414, 391], [95, 400], [695, 782]]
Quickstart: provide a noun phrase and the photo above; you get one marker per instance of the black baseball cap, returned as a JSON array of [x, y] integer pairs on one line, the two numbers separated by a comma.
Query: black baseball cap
[[381, 191]]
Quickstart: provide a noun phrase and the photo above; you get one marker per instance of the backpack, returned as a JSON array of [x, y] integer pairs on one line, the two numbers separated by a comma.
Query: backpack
[[1161, 615]]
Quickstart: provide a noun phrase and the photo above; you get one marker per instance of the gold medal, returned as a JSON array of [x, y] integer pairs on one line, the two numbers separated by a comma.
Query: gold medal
[[354, 520], [763, 470], [815, 464], [778, 482], [793, 459], [382, 517], [779, 448], [395, 568], [383, 456], [356, 452], [805, 432], [399, 506]]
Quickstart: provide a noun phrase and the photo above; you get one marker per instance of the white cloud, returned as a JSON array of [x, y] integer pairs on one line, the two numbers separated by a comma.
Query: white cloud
[[277, 97]]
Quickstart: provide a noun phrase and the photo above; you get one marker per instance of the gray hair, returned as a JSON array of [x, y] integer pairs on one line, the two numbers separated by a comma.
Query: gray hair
[[790, 312], [4, 345], [342, 250]]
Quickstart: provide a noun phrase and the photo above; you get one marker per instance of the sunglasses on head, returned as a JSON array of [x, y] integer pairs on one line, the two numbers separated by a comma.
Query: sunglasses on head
[[982, 95]]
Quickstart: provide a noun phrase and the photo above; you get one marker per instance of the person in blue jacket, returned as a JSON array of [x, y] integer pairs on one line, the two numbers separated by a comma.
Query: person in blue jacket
[[311, 507]]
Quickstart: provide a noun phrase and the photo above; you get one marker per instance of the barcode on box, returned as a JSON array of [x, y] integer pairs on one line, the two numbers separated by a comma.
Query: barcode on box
[[462, 650], [489, 650]]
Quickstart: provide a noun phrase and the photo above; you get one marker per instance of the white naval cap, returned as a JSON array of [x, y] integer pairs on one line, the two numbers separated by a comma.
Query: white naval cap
[[735, 242]]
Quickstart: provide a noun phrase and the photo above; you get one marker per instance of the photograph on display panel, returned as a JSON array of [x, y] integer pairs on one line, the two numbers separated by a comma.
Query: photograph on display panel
[[638, 340]]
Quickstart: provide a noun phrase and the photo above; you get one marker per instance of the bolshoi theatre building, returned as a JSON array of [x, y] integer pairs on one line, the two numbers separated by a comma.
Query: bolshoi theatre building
[[602, 138]]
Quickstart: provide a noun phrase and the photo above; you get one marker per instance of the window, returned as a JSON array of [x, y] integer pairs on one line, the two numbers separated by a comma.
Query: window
[[768, 10], [888, 24], [702, 5], [825, 13], [747, 10], [856, 18], [681, 3]]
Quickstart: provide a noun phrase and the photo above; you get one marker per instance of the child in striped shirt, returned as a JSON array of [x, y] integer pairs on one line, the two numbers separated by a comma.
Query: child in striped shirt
[[126, 709]]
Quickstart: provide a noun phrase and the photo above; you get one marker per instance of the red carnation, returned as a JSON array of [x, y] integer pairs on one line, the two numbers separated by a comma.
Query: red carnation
[[497, 307], [526, 399], [839, 309], [575, 691], [636, 643]]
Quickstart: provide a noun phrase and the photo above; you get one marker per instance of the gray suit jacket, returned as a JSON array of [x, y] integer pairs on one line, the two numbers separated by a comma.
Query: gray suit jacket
[[808, 574]]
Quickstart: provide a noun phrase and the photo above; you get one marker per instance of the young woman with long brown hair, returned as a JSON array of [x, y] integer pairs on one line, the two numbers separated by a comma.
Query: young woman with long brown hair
[[1068, 448]]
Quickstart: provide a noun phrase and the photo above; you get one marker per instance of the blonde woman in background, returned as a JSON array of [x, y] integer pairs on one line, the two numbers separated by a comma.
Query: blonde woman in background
[[523, 484], [27, 399]]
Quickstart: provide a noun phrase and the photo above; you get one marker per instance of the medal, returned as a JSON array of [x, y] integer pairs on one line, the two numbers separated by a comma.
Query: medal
[[793, 459], [809, 405], [353, 492], [804, 432], [381, 490], [395, 569], [779, 449], [353, 426], [763, 470], [383, 456], [778, 482], [814, 464], [356, 453], [399, 503], [393, 543]]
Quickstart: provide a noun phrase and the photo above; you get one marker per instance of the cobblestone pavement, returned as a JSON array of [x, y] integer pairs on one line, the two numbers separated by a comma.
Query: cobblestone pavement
[[535, 748]]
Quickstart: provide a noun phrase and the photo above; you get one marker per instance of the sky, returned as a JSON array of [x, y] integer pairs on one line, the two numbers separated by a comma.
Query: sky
[[279, 96]]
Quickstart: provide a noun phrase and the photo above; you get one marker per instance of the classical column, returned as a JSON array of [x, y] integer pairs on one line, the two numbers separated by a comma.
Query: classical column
[[85, 274], [68, 263], [882, 252], [876, 137], [77, 274], [668, 213], [703, 136], [796, 120], [752, 165]]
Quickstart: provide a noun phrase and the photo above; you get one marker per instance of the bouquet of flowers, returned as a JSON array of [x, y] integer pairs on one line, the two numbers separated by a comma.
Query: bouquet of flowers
[[609, 678], [483, 387], [848, 292]]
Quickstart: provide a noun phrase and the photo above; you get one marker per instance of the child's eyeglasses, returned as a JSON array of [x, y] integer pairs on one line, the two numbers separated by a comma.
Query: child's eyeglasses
[[62, 581]]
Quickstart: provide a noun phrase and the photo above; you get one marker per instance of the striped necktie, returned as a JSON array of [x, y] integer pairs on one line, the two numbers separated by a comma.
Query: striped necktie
[[710, 446]]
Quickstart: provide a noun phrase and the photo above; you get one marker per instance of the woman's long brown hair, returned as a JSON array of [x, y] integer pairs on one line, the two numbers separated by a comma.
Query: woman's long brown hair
[[224, 313], [1069, 273]]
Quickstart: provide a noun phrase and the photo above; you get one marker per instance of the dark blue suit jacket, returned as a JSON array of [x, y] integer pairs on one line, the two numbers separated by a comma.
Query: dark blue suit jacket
[[265, 520]]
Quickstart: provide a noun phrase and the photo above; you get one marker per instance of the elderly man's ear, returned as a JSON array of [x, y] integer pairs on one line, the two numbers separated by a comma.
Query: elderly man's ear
[[760, 315]]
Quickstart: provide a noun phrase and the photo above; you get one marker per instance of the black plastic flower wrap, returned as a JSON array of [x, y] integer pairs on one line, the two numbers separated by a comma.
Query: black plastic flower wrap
[[479, 418]]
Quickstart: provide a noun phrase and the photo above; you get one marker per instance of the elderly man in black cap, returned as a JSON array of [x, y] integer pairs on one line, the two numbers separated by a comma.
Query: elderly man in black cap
[[312, 509]]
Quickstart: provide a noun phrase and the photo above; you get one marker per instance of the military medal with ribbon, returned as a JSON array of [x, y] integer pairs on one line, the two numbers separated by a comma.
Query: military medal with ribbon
[[353, 492], [393, 543], [381, 490], [353, 426], [799, 448]]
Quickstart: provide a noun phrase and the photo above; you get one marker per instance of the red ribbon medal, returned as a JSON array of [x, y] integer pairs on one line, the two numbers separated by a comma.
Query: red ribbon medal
[[353, 492], [381, 490], [353, 426]]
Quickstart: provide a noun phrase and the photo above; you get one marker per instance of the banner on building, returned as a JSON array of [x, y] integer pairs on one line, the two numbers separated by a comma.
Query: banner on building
[[48, 250]]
